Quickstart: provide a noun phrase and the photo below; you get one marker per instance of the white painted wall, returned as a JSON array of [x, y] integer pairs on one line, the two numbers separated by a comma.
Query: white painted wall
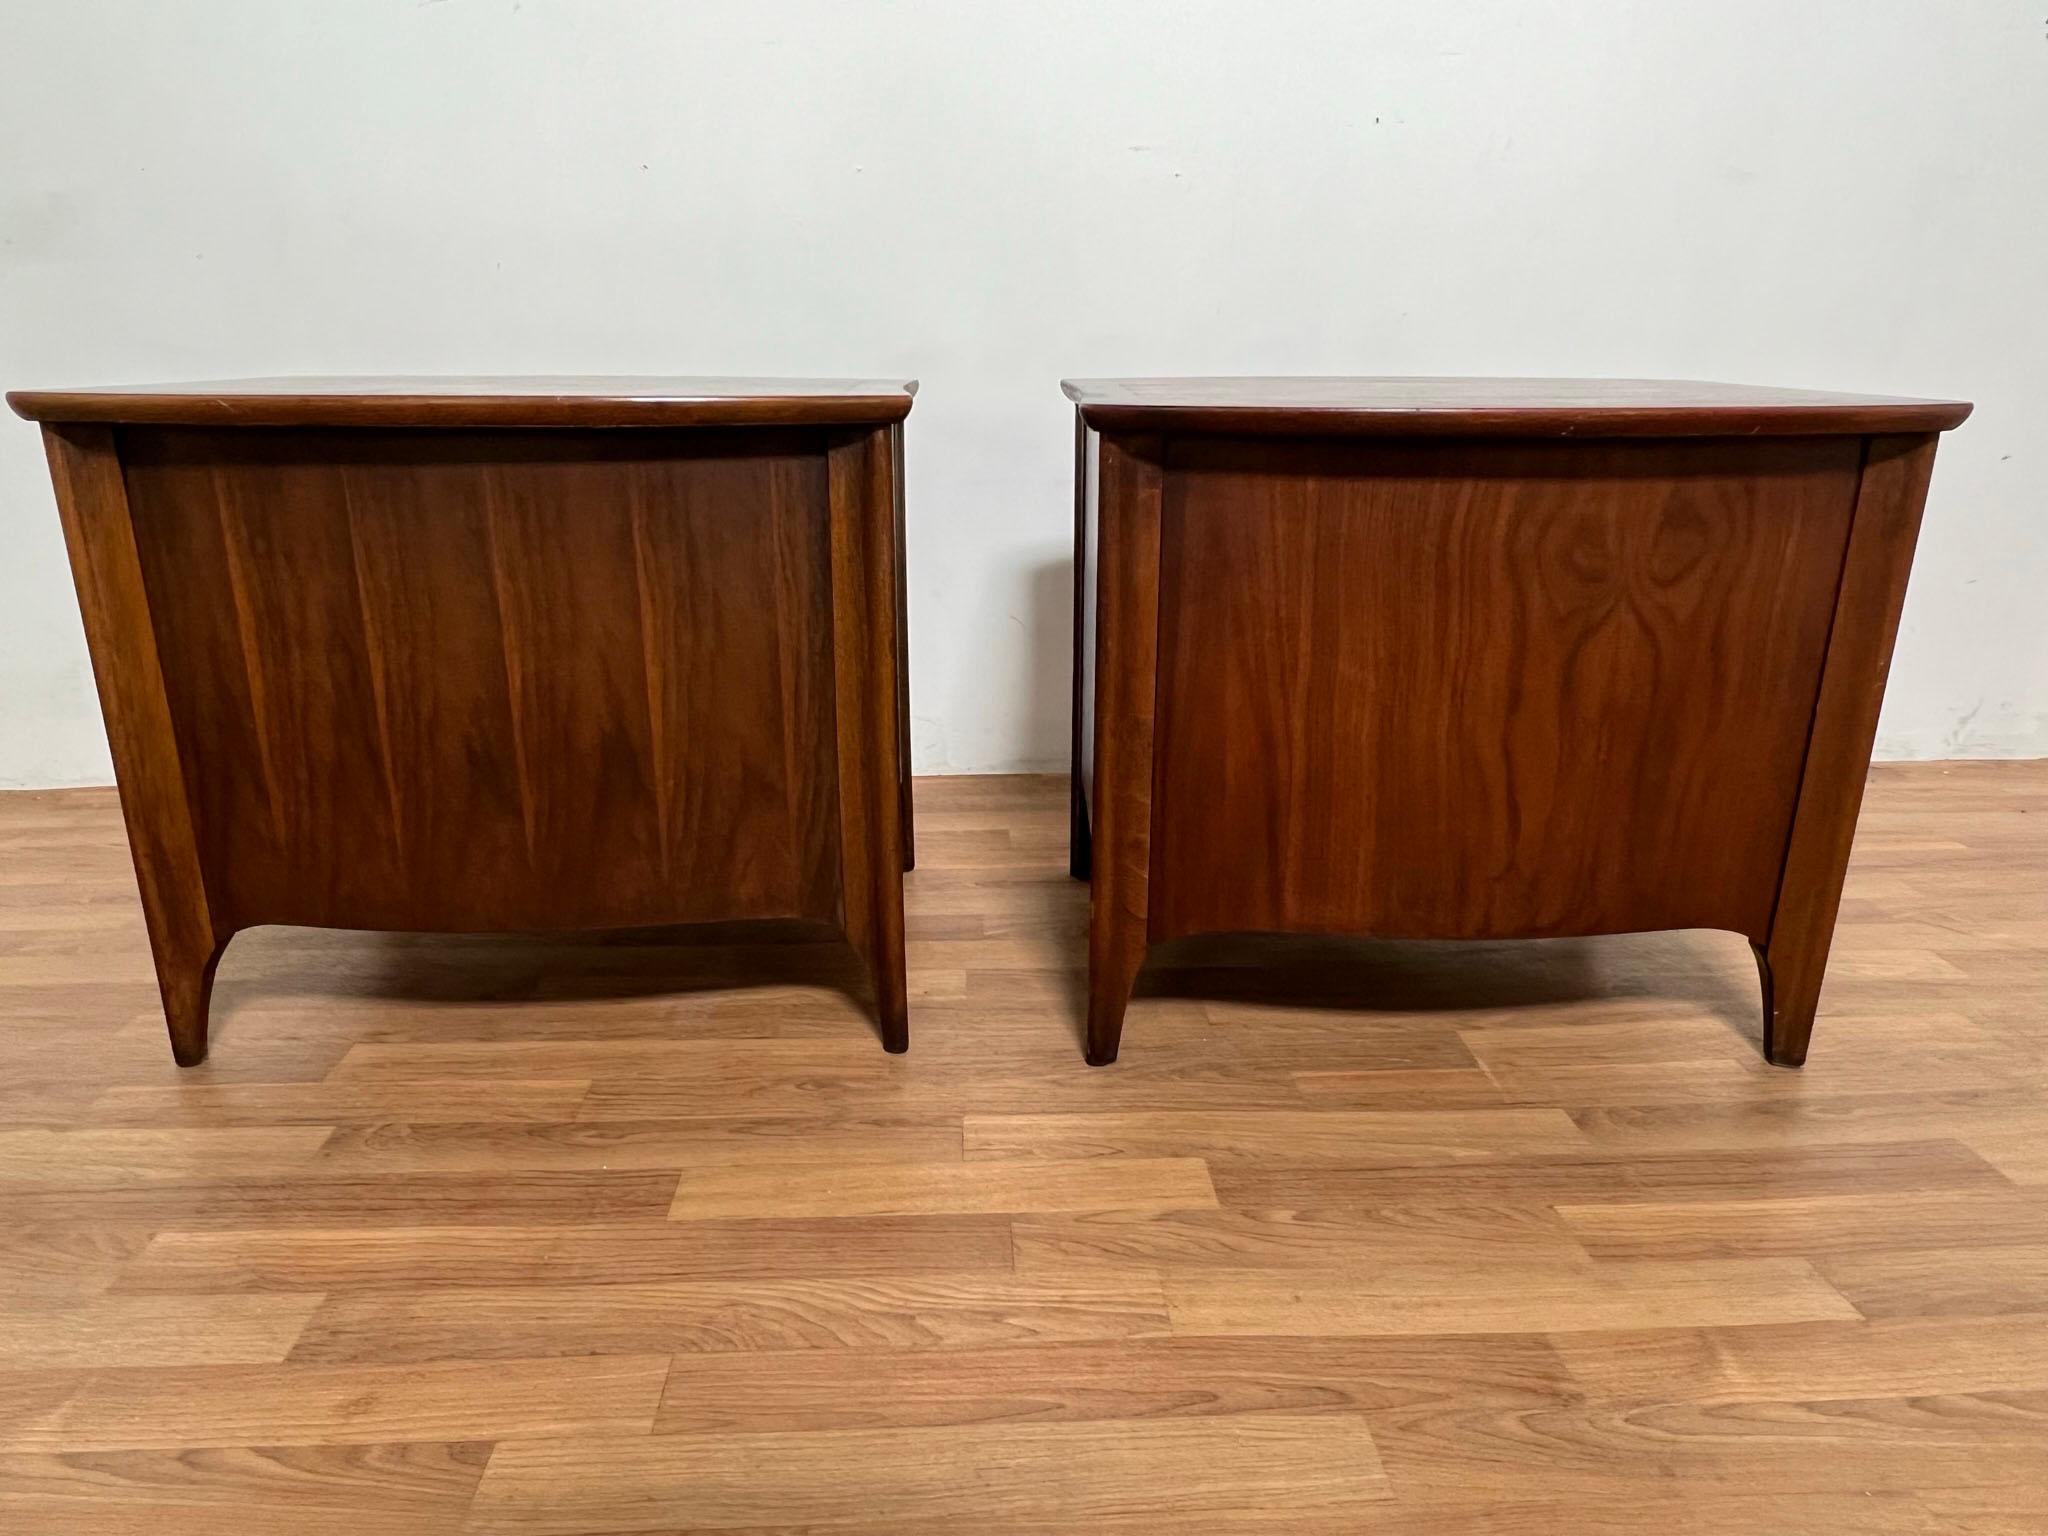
[[990, 194]]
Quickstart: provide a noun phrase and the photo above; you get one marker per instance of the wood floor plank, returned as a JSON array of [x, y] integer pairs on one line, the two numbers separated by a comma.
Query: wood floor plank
[[1443, 1235], [1815, 1120], [1322, 1138], [913, 1189], [675, 1317], [51, 1262], [72, 1158], [1468, 1455], [1623, 1042], [1944, 1282], [225, 1406], [154, 1330], [1553, 1299], [2021, 1154], [1719, 1175], [551, 1197], [660, 1144], [329, 1490], [1123, 1379], [744, 1068], [423, 1258], [1787, 1362], [1446, 1088], [338, 1103], [1797, 1224], [1433, 1512], [1072, 1474], [1495, 1239]]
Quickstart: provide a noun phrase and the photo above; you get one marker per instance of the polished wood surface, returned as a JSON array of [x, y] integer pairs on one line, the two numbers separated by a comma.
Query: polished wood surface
[[480, 402], [1793, 955], [1614, 645], [470, 680], [641, 1233], [1461, 407], [1482, 686]]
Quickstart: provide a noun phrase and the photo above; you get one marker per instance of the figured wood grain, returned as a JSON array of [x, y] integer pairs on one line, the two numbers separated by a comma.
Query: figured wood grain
[[496, 656], [1485, 659], [471, 651], [1631, 634]]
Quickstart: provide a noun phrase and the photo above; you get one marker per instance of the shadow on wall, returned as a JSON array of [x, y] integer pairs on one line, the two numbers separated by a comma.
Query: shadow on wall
[[1049, 688]]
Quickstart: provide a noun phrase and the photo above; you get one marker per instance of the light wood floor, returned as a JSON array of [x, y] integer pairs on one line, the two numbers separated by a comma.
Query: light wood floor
[[636, 1235]]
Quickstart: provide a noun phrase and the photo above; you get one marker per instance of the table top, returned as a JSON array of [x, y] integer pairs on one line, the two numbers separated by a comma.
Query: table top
[[480, 402], [1454, 407]]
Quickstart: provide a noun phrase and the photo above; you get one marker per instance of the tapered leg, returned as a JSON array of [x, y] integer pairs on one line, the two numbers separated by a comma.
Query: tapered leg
[[1078, 850], [1788, 1014], [1872, 591], [1115, 954], [864, 657], [902, 651], [92, 500], [186, 985], [1126, 679]]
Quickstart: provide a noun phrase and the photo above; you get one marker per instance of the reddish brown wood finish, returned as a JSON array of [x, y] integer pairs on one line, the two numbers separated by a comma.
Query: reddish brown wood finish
[[1499, 687], [184, 938], [1421, 407], [1793, 956], [480, 402], [1124, 543], [865, 580], [465, 680]]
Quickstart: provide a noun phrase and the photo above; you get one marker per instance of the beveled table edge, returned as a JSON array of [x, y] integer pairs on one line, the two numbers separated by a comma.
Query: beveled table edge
[[1796, 414], [417, 403]]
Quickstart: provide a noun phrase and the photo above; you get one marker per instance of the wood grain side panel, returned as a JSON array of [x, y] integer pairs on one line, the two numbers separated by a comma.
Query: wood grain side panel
[[185, 934], [1078, 742], [866, 700], [1126, 634], [1489, 689], [466, 681], [1859, 654]]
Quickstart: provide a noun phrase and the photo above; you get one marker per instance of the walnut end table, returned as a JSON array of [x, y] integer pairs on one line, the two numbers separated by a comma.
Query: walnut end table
[[496, 654], [1470, 658]]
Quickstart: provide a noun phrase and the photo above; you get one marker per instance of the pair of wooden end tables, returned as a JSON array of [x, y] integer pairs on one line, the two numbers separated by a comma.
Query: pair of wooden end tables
[[1413, 658]]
